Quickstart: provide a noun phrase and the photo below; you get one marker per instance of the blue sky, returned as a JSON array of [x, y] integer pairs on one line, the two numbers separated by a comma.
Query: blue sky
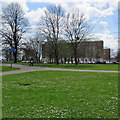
[[35, 5], [102, 13], [111, 20]]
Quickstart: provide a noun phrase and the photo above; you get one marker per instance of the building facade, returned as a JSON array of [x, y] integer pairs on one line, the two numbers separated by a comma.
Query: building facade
[[87, 51]]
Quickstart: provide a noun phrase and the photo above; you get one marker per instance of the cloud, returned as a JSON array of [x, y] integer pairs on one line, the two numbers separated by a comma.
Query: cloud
[[56, 1], [89, 9], [107, 31], [92, 8], [109, 40], [21, 2], [100, 5], [34, 16], [103, 24]]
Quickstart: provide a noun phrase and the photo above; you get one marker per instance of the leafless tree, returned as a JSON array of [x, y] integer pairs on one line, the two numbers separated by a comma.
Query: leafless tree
[[33, 49], [13, 26], [51, 27], [77, 28]]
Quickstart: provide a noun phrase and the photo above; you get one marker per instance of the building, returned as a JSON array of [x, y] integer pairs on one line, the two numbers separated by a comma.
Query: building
[[106, 54], [87, 51]]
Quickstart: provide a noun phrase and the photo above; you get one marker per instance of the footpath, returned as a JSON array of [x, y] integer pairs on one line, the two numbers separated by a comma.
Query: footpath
[[25, 68]]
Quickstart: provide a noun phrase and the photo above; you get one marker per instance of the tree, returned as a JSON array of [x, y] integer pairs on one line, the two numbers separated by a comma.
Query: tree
[[13, 26], [117, 58], [64, 51], [6, 53], [77, 28], [33, 49], [47, 51], [51, 27]]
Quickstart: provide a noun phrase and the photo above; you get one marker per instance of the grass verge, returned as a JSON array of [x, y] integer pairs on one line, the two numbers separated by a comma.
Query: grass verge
[[7, 68], [110, 67]]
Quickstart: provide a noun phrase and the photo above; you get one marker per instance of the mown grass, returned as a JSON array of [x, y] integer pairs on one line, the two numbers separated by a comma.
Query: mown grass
[[60, 94], [7, 68], [110, 67]]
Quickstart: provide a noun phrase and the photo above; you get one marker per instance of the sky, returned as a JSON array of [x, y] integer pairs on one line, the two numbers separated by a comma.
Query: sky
[[103, 15]]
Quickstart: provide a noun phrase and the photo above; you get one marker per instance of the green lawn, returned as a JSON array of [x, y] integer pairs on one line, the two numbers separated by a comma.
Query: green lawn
[[60, 94], [111, 67], [7, 68]]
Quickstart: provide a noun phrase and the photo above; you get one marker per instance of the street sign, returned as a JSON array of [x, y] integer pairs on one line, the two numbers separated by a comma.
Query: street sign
[[11, 49]]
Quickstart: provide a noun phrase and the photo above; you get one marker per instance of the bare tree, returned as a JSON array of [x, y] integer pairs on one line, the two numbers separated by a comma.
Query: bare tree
[[33, 48], [76, 30], [13, 26], [51, 27], [38, 41]]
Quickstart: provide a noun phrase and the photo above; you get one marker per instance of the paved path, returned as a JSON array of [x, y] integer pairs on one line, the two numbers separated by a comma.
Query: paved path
[[25, 68]]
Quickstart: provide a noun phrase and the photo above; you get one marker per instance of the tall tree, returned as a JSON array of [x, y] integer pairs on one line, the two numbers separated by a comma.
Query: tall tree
[[51, 27], [76, 30], [13, 26]]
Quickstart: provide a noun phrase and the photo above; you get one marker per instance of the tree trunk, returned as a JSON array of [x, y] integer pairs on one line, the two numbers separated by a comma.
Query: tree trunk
[[50, 59], [15, 56], [71, 60], [57, 60], [76, 62], [65, 60], [75, 55], [68, 60], [56, 56], [61, 60]]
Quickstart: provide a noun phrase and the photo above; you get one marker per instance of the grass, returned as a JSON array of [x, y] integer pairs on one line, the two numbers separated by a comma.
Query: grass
[[110, 67], [7, 68], [60, 94]]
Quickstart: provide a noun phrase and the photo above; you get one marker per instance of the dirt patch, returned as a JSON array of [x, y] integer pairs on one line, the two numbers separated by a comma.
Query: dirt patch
[[24, 84]]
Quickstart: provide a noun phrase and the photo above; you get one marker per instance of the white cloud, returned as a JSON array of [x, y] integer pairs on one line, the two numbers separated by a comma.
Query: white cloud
[[109, 40], [99, 5], [99, 9], [34, 16], [107, 31], [91, 8], [103, 25], [21, 2], [56, 1]]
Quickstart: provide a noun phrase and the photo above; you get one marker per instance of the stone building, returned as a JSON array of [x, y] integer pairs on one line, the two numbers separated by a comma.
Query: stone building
[[88, 51], [106, 54]]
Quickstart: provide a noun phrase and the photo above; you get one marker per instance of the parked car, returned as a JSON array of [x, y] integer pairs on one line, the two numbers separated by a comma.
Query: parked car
[[114, 62], [98, 62], [104, 62]]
